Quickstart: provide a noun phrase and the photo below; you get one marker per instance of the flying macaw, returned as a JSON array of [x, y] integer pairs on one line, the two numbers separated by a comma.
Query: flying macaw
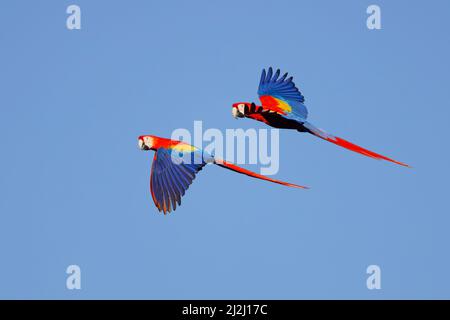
[[175, 165], [282, 106]]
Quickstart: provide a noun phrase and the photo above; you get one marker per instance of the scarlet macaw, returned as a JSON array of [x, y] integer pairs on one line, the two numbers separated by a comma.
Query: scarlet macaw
[[174, 167], [282, 106]]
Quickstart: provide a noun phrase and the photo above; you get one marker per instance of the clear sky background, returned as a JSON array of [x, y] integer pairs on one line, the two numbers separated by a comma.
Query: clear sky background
[[74, 188]]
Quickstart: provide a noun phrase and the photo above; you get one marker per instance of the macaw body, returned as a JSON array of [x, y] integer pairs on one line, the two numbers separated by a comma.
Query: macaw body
[[175, 165], [282, 106]]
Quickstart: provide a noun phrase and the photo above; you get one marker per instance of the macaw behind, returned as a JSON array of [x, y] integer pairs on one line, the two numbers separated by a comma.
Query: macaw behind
[[282, 107], [175, 165]]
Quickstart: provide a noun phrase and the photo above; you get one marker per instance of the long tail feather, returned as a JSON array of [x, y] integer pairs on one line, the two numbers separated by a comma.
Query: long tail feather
[[348, 145], [235, 168]]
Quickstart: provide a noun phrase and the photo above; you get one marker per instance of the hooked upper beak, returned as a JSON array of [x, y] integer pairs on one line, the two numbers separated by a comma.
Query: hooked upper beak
[[236, 113], [142, 145]]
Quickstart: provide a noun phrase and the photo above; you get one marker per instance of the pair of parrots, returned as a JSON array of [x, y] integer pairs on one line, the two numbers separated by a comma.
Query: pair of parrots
[[176, 163]]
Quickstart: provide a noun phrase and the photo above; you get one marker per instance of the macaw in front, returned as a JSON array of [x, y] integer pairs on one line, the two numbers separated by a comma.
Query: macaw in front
[[282, 106], [175, 165]]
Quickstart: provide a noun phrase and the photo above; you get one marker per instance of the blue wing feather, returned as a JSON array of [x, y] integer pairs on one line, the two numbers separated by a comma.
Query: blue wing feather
[[283, 89], [171, 177]]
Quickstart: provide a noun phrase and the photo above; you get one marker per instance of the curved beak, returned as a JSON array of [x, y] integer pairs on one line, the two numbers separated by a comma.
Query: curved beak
[[236, 113], [141, 144]]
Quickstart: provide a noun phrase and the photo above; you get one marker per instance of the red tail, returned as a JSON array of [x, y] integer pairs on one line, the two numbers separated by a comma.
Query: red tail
[[238, 169], [351, 146], [348, 145]]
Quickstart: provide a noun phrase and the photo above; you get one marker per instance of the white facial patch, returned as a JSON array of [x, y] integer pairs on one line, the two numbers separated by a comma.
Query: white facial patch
[[148, 142], [241, 108]]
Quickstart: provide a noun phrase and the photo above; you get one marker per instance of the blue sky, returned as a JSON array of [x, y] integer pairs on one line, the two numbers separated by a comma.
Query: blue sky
[[74, 187]]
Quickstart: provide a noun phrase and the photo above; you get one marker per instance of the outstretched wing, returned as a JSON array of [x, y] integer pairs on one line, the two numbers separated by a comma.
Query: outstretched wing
[[281, 95], [172, 173]]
